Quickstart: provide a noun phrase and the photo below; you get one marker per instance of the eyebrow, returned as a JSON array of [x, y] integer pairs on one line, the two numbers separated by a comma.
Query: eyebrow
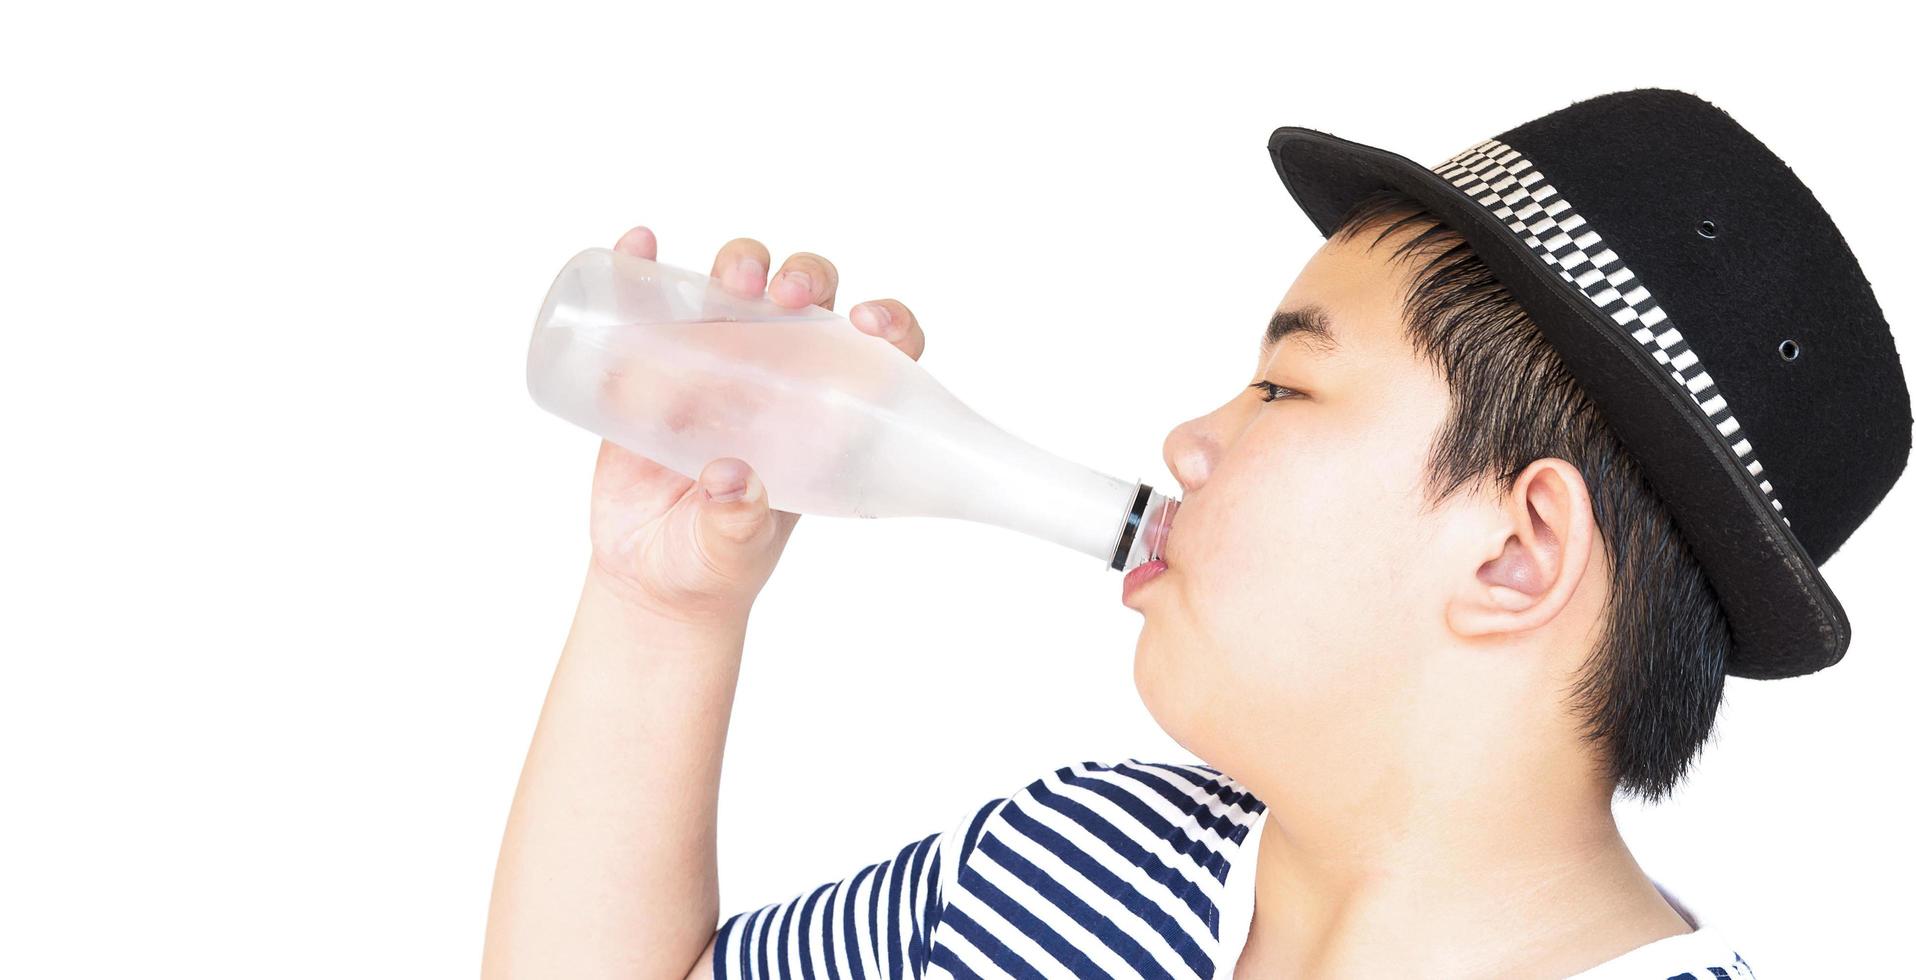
[[1311, 323]]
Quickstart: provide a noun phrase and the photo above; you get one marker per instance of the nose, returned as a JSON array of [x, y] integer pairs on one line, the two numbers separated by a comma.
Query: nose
[[1189, 452]]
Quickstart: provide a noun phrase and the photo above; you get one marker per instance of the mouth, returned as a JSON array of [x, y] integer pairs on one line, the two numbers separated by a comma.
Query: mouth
[[1137, 577]]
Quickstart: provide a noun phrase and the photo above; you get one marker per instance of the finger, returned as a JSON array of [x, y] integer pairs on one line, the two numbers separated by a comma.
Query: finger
[[735, 505], [640, 242], [805, 278], [892, 320], [741, 265]]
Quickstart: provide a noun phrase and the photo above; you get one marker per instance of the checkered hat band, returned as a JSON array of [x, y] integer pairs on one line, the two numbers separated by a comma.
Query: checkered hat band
[[1500, 179]]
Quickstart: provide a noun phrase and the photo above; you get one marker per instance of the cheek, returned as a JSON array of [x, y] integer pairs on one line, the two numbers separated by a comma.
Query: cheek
[[1306, 538]]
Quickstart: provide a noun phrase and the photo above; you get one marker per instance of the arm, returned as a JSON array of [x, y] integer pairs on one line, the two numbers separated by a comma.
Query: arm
[[609, 864]]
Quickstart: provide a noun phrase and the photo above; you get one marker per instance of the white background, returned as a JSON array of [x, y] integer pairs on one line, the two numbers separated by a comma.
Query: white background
[[288, 552]]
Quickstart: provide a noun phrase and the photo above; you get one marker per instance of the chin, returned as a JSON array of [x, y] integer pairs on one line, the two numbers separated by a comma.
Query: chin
[[1164, 683]]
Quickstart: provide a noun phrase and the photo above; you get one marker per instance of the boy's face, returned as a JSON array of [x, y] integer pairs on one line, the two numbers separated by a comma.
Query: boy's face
[[1304, 578]]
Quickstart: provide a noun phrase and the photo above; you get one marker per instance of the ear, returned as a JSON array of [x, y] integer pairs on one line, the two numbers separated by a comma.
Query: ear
[[1532, 555]]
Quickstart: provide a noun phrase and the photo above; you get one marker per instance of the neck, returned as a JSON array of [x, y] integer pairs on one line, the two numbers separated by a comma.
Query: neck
[[1486, 865]]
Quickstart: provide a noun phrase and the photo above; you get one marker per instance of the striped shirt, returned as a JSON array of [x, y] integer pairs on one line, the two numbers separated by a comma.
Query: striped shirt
[[1120, 871]]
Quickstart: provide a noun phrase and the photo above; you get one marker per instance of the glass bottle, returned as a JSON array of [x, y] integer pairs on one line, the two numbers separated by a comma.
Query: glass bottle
[[667, 363]]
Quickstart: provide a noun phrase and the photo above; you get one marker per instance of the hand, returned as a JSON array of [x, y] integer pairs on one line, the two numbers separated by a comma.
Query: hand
[[699, 550]]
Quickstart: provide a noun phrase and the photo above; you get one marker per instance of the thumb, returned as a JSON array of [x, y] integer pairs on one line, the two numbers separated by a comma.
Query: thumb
[[734, 508]]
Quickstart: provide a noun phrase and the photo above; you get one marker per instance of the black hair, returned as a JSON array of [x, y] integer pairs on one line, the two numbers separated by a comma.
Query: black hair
[[1647, 695]]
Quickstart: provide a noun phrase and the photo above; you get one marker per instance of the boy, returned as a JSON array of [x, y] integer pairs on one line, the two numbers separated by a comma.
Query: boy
[[1503, 502]]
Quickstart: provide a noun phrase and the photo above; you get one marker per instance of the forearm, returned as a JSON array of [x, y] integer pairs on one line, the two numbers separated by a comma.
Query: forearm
[[609, 863]]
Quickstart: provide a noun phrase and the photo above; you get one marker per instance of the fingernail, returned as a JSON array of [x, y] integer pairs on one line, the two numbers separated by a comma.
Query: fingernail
[[727, 481], [748, 273], [876, 317], [798, 284], [750, 491]]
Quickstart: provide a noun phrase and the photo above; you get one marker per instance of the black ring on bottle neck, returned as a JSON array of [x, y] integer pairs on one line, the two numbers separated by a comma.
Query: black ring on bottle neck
[[1131, 522]]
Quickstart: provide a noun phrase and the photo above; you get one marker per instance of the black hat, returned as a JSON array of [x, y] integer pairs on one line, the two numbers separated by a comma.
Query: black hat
[[1712, 311]]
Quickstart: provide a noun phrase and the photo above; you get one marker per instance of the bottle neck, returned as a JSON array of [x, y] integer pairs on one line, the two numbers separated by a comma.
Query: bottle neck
[[1141, 539]]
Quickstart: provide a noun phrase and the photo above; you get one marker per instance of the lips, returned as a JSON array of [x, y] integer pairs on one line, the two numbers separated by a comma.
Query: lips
[[1136, 577]]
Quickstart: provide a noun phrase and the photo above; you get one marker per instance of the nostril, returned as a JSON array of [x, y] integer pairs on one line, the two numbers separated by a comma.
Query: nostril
[[1193, 469]]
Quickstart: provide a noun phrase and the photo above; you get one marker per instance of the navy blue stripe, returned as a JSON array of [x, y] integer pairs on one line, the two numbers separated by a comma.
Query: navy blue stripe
[[977, 826], [1127, 847], [854, 959], [825, 928], [895, 950], [785, 942], [764, 942], [914, 951], [805, 932], [745, 945], [1180, 842], [988, 944], [718, 952], [1157, 918], [1093, 921], [933, 905], [943, 956], [871, 921]]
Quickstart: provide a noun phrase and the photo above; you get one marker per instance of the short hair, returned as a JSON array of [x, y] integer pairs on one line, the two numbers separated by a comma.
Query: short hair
[[1648, 693]]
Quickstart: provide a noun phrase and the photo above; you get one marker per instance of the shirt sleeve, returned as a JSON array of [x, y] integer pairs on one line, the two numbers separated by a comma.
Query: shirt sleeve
[[877, 923]]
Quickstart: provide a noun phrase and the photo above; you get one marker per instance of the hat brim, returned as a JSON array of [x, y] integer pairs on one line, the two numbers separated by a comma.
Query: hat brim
[[1784, 619]]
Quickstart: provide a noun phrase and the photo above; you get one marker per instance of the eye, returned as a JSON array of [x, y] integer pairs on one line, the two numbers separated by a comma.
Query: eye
[[1272, 392]]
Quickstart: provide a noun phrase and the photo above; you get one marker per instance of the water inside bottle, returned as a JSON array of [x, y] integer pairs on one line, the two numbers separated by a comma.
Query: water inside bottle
[[798, 399]]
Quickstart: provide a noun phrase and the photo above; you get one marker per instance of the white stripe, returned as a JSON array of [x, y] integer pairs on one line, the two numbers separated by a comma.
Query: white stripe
[[772, 922], [855, 906], [821, 928]]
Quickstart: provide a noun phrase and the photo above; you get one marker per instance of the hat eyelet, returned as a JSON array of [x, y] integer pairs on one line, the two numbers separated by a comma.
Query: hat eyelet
[[1706, 228], [1789, 350]]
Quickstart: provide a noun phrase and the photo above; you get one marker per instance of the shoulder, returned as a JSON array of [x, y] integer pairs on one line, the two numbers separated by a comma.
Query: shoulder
[[1098, 864], [1141, 825], [1135, 798]]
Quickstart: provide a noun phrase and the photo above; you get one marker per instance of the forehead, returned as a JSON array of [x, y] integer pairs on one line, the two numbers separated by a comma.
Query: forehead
[[1345, 301]]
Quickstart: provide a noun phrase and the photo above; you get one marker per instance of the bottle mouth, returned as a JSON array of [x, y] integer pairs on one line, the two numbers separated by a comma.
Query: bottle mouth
[[1158, 530], [1147, 526]]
